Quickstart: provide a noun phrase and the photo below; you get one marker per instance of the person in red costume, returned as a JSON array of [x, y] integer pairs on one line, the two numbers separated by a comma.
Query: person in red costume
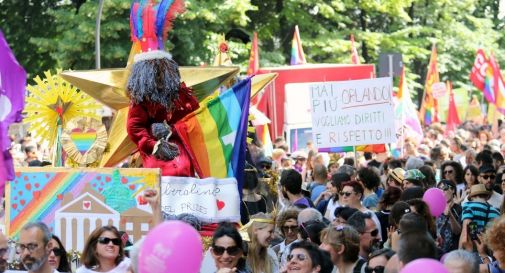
[[158, 98]]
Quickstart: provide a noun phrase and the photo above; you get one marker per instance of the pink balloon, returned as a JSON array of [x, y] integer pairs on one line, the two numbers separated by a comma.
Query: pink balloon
[[424, 266], [435, 199], [171, 247]]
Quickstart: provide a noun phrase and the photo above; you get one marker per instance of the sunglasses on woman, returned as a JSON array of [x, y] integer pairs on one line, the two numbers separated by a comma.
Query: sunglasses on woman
[[106, 241], [231, 250], [346, 194], [377, 269], [57, 251], [373, 233], [300, 257]]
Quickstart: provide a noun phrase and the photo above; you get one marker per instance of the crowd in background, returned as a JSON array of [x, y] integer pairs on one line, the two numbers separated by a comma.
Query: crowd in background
[[354, 212]]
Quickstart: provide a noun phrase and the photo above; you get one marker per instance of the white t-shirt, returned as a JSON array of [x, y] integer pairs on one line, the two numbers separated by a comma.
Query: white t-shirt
[[120, 268], [330, 209]]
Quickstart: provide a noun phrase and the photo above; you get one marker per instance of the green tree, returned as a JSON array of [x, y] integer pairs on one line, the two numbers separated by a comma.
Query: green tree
[[73, 44], [457, 27], [19, 21]]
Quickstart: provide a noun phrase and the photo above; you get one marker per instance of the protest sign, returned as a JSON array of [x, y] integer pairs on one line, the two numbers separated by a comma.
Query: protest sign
[[352, 113], [211, 200], [73, 202]]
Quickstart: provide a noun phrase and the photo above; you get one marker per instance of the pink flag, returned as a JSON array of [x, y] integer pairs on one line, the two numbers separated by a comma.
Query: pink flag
[[12, 101]]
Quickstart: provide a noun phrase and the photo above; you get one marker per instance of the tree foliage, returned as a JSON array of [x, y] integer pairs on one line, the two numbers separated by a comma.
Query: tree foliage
[[61, 34]]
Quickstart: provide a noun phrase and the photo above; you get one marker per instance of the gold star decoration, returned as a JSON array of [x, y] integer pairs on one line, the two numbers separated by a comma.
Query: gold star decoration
[[108, 87], [60, 106]]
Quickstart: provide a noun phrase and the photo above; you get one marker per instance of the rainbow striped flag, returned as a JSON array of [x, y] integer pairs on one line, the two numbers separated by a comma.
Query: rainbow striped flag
[[429, 105], [494, 83], [297, 55], [215, 134]]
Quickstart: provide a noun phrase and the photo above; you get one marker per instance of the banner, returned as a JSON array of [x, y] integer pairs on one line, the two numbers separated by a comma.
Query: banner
[[352, 113], [73, 202], [211, 200]]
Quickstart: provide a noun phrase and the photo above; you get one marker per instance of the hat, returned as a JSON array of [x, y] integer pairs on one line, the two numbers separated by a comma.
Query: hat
[[299, 154], [447, 182], [398, 175], [154, 76], [487, 169], [264, 160], [414, 174], [478, 189]]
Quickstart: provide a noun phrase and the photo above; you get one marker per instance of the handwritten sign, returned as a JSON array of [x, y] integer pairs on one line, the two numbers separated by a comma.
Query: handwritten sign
[[352, 113], [210, 199]]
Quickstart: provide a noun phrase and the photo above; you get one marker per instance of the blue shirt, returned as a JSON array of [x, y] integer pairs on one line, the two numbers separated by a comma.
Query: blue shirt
[[316, 191], [480, 213]]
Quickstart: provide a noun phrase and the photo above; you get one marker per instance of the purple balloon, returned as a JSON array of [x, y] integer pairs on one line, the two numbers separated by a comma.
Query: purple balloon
[[171, 247], [435, 199], [424, 266]]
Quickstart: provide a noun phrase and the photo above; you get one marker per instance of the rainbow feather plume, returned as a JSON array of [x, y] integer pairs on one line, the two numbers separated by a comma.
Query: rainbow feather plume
[[166, 15]]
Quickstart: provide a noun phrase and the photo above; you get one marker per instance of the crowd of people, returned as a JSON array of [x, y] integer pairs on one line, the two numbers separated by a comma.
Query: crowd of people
[[333, 213]]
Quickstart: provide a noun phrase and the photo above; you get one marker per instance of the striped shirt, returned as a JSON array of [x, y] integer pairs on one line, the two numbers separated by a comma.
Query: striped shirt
[[480, 213]]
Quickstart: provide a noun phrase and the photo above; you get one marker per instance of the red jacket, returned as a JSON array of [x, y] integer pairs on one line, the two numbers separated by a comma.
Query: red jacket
[[140, 118]]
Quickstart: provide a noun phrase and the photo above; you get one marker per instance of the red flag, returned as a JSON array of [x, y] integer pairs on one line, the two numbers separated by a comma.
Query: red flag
[[354, 52], [478, 74], [482, 71], [254, 57], [452, 115]]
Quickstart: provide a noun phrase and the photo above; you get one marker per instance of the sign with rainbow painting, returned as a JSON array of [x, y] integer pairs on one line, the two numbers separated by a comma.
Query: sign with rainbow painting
[[75, 201]]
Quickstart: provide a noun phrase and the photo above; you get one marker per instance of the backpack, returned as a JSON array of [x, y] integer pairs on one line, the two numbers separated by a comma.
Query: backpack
[[359, 267]]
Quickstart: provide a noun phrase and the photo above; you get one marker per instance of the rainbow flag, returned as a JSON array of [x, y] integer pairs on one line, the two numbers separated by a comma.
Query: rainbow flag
[[406, 111], [406, 118], [215, 134], [297, 55], [374, 148], [268, 147], [489, 83], [429, 105], [494, 83]]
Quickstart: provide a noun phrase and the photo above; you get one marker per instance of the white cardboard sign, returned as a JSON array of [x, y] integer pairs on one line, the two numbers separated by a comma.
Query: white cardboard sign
[[352, 113], [211, 200]]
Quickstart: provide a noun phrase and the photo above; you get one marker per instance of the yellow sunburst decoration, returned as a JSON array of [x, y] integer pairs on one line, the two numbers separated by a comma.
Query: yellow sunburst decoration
[[52, 102]]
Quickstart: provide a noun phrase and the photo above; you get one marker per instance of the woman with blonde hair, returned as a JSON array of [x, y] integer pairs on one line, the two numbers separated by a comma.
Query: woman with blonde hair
[[260, 230], [342, 242]]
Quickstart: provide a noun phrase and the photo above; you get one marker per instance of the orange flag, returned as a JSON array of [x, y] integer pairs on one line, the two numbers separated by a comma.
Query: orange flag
[[429, 105], [254, 57], [354, 52]]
